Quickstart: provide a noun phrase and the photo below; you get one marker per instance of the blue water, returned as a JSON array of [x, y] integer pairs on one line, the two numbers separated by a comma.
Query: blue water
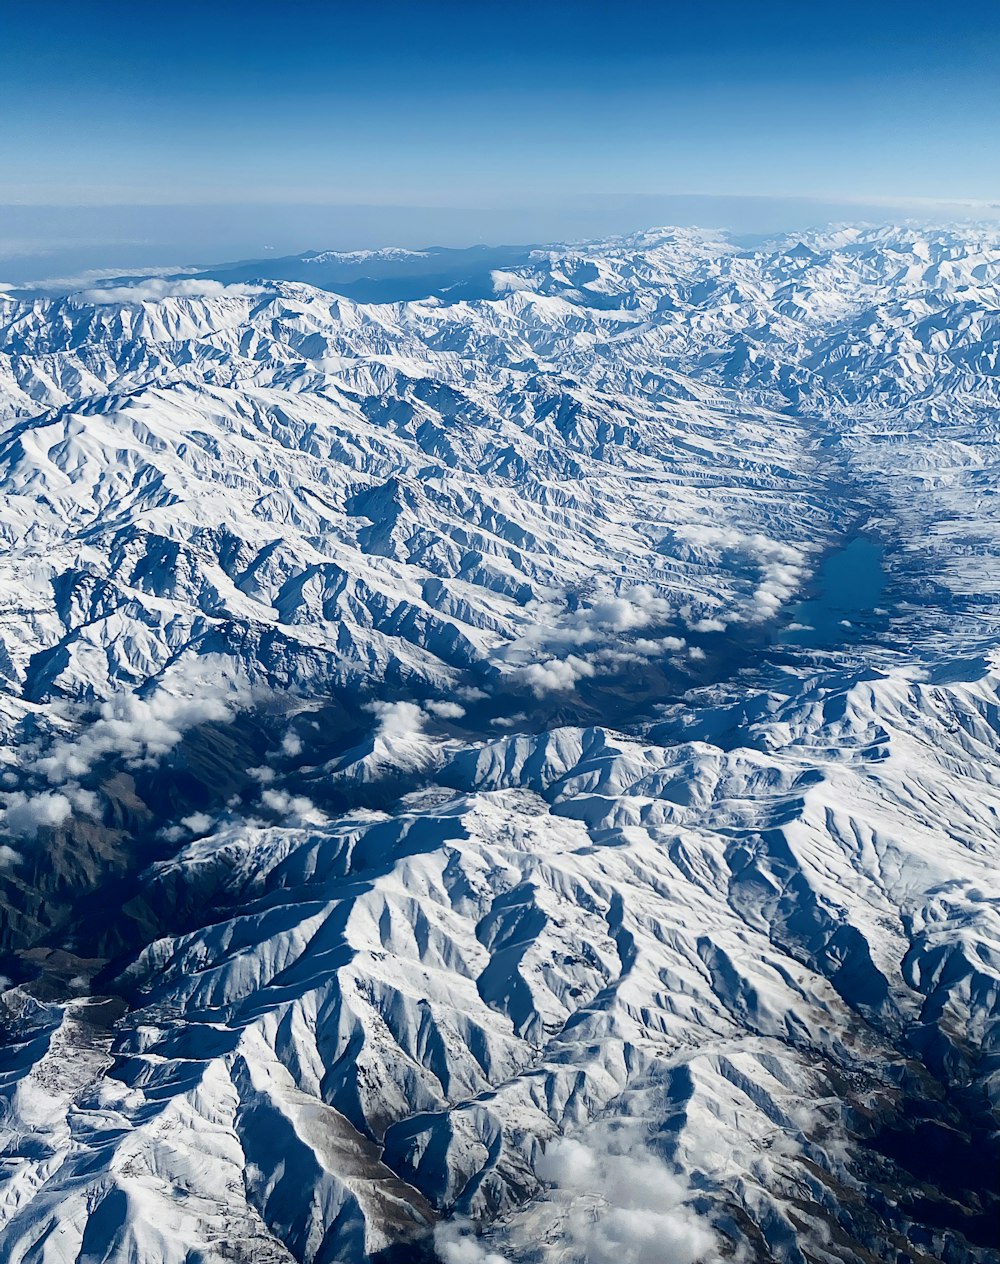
[[846, 604]]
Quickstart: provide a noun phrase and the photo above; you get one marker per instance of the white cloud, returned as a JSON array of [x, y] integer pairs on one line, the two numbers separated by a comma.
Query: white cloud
[[456, 1243], [446, 710], [557, 675], [26, 814], [783, 567], [573, 645], [605, 1206], [291, 744], [139, 730], [638, 607], [398, 719], [197, 822], [8, 856], [639, 1217], [779, 582], [296, 806], [154, 290], [86, 278], [604, 618], [560, 675], [648, 648]]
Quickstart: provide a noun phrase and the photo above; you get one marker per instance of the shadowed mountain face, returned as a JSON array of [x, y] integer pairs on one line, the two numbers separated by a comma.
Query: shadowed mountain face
[[505, 742]]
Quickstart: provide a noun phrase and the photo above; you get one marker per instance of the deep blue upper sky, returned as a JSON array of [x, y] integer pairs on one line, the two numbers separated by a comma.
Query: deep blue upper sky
[[435, 102]]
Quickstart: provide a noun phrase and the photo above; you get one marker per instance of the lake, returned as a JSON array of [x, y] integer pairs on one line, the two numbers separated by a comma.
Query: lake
[[849, 585]]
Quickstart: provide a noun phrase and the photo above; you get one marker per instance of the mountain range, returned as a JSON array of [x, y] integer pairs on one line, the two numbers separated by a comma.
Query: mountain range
[[500, 756]]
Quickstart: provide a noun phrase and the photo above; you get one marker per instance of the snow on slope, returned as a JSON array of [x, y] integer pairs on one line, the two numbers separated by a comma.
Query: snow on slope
[[413, 815]]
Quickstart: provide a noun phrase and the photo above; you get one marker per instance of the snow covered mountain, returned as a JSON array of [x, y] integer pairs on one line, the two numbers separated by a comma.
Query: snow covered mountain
[[509, 777]]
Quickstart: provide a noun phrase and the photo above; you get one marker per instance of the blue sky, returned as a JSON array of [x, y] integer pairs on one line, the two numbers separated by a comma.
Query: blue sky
[[474, 106], [436, 102]]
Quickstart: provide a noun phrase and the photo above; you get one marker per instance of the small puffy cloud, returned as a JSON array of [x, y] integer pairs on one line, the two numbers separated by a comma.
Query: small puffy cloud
[[446, 710], [398, 719], [295, 806], [638, 607], [643, 1219], [653, 648], [154, 290], [456, 1243], [83, 801], [291, 744], [26, 815], [508, 721], [605, 1207], [557, 675], [197, 822]]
